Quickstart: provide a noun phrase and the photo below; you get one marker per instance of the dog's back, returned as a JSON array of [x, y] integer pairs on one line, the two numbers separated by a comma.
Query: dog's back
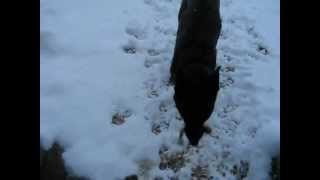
[[193, 68], [198, 32]]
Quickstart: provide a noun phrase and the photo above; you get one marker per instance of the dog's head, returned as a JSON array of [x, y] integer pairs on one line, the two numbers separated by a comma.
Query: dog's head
[[196, 90], [194, 134]]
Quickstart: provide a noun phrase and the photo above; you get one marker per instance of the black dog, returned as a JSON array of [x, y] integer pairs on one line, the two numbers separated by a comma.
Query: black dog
[[193, 69]]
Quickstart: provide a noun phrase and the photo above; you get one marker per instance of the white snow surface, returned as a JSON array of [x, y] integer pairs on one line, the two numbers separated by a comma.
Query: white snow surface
[[102, 57]]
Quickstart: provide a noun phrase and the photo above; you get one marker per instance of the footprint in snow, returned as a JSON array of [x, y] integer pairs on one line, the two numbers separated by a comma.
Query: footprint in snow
[[136, 30], [130, 47], [150, 61], [47, 43]]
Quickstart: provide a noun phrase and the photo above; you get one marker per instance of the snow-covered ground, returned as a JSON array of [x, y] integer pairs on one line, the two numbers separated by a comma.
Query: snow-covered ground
[[100, 58]]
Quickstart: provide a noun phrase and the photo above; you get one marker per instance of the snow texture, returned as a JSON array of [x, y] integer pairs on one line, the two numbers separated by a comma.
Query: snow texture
[[100, 58]]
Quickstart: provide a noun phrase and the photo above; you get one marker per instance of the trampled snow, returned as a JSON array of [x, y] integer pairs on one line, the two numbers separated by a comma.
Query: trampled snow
[[100, 58]]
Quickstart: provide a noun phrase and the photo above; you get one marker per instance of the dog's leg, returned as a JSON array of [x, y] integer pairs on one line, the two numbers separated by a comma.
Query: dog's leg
[[207, 129], [180, 140]]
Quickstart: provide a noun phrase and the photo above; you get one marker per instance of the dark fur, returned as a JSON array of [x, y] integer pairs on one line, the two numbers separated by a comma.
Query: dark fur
[[193, 69]]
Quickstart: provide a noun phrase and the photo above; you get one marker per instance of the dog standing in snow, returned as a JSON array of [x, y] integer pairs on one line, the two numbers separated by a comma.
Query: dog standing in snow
[[193, 69]]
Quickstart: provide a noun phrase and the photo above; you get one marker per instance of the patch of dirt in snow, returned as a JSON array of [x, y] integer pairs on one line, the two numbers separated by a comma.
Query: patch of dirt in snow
[[174, 161], [52, 165]]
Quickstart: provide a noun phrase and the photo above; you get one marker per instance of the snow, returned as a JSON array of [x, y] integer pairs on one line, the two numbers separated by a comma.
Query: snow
[[102, 57]]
